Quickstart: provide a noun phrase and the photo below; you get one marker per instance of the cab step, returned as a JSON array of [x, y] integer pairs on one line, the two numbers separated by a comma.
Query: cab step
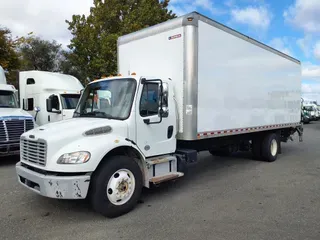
[[164, 178], [162, 169], [159, 160]]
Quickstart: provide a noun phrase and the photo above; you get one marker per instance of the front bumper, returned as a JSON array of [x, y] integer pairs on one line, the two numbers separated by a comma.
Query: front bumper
[[62, 187]]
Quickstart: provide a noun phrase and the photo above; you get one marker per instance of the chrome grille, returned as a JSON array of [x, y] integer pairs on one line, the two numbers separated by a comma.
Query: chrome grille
[[11, 130], [33, 151], [3, 132], [14, 129], [28, 124]]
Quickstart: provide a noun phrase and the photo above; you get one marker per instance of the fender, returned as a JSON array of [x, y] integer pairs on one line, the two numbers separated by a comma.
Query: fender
[[119, 142], [99, 146], [127, 147]]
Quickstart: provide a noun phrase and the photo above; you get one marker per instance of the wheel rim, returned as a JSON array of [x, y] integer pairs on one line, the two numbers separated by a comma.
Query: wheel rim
[[274, 147], [121, 187]]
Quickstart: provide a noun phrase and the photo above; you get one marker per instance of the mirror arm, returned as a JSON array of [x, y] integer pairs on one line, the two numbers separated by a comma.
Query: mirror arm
[[56, 111]]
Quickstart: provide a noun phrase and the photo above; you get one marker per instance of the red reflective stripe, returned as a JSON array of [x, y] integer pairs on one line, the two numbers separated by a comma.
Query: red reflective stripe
[[244, 129]]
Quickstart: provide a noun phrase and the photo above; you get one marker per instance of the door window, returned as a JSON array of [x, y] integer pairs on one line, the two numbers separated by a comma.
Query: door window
[[149, 103], [30, 104]]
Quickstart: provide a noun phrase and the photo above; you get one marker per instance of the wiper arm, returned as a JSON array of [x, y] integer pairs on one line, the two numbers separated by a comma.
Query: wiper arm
[[95, 113]]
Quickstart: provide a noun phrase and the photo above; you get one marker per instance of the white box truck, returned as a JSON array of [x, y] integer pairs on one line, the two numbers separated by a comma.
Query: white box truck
[[13, 120], [201, 87], [53, 96]]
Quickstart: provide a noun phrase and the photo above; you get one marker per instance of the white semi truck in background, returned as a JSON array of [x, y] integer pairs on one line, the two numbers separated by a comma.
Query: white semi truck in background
[[312, 107], [201, 87], [48, 96], [13, 120]]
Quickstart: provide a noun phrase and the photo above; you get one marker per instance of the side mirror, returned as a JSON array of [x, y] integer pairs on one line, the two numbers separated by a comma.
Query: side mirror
[[165, 96], [163, 100], [49, 104]]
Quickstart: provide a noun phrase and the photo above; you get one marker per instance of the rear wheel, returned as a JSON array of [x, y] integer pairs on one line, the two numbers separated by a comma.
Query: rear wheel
[[270, 147], [116, 186]]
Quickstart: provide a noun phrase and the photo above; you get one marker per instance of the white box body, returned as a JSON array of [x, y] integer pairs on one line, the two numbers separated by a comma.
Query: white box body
[[224, 81]]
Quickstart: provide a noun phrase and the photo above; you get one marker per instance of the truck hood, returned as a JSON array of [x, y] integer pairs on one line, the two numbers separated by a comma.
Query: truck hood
[[66, 131], [14, 113]]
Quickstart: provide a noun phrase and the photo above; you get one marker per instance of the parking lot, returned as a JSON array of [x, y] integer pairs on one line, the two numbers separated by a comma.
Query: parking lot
[[220, 198]]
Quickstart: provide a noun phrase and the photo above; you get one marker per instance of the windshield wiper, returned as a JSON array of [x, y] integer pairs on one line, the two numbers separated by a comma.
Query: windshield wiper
[[96, 113]]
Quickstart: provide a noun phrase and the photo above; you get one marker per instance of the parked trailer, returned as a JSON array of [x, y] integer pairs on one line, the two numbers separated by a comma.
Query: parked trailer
[[201, 87]]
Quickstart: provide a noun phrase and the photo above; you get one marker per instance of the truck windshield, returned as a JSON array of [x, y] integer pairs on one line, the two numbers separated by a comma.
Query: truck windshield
[[8, 99], [110, 99], [308, 108], [69, 101]]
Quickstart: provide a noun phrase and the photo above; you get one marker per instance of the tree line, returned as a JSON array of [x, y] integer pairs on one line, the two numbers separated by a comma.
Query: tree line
[[92, 51]]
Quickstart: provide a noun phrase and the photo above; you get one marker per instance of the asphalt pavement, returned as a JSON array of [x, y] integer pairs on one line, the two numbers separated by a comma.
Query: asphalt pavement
[[229, 198]]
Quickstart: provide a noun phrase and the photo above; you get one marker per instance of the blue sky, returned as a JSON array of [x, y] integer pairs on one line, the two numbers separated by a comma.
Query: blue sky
[[291, 26]]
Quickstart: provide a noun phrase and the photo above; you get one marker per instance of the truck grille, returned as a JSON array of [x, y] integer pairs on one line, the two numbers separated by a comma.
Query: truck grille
[[11, 130], [33, 151], [3, 132]]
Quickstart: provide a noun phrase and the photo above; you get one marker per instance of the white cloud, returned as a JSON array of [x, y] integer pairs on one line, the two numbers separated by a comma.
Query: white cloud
[[316, 50], [45, 18], [311, 91], [308, 88], [304, 14], [305, 44], [257, 17], [282, 45], [181, 7], [311, 71]]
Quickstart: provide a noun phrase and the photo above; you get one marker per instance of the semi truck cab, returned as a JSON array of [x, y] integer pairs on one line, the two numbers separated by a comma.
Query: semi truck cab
[[54, 95], [13, 120]]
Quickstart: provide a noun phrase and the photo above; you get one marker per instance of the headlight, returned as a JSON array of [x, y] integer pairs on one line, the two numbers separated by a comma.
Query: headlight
[[74, 158]]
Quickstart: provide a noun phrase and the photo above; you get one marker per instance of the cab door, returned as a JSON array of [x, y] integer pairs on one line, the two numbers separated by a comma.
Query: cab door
[[54, 114], [155, 132]]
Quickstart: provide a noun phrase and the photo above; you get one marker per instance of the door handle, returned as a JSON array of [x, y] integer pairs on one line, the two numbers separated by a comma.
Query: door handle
[[170, 132]]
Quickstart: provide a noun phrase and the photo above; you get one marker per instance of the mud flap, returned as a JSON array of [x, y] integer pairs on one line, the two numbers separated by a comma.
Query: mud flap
[[300, 133]]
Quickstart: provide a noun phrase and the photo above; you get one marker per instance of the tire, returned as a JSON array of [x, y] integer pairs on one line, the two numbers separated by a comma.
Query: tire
[[270, 147], [105, 182]]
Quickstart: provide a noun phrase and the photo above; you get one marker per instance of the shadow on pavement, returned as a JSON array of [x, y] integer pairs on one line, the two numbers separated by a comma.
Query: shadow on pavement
[[207, 166], [9, 160]]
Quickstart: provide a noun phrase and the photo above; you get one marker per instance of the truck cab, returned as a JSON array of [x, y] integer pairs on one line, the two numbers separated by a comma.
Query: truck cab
[[53, 95], [13, 120], [121, 113], [311, 110]]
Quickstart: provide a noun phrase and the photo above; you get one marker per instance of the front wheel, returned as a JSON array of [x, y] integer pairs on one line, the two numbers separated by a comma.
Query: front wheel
[[116, 186]]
